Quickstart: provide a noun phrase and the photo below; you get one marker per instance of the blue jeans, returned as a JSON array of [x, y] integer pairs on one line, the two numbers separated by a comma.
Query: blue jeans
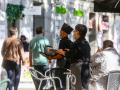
[[13, 73], [41, 69]]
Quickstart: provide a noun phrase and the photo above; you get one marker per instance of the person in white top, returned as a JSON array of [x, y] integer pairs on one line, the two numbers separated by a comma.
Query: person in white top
[[103, 63]]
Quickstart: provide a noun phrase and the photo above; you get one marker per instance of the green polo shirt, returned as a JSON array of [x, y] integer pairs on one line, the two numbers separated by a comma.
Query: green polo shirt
[[37, 45]]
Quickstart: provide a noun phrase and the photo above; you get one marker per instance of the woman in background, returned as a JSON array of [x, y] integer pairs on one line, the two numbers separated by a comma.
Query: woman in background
[[12, 52]]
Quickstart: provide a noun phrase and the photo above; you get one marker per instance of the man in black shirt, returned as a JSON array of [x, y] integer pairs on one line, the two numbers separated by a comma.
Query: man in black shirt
[[80, 54], [65, 43], [63, 63]]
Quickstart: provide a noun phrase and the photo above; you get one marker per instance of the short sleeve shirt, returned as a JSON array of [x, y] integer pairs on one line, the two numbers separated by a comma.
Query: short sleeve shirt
[[37, 45]]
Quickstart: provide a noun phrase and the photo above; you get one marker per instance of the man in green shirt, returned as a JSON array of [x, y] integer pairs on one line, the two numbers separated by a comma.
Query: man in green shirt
[[37, 60]]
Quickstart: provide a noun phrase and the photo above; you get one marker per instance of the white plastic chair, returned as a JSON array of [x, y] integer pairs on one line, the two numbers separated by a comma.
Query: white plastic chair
[[70, 78], [36, 73]]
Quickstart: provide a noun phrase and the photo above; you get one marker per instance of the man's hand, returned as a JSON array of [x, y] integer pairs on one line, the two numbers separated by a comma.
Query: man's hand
[[60, 51], [67, 49], [49, 57], [23, 63]]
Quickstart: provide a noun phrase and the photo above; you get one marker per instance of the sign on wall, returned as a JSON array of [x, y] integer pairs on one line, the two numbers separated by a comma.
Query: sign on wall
[[35, 10]]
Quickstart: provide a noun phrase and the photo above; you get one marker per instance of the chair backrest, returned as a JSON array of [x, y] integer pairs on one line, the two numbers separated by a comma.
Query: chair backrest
[[4, 84], [113, 80], [57, 71], [36, 74]]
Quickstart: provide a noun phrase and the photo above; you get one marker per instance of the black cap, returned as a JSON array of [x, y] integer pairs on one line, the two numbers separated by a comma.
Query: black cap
[[67, 28]]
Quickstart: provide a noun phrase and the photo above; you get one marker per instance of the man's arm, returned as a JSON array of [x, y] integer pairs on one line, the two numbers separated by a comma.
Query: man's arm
[[69, 53], [3, 49], [30, 57], [30, 53], [58, 56], [21, 52]]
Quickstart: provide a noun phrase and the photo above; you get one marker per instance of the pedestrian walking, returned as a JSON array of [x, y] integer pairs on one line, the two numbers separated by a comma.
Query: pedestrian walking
[[12, 52]]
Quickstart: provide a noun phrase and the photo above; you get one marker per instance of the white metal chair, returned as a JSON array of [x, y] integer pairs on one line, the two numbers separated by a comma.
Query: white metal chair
[[36, 75], [113, 80], [70, 78]]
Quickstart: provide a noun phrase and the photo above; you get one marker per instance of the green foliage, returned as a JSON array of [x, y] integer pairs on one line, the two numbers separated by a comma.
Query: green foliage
[[78, 12], [14, 12], [60, 9]]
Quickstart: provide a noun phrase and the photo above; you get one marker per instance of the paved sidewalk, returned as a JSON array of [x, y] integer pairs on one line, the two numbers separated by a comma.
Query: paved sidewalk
[[26, 89], [26, 86]]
